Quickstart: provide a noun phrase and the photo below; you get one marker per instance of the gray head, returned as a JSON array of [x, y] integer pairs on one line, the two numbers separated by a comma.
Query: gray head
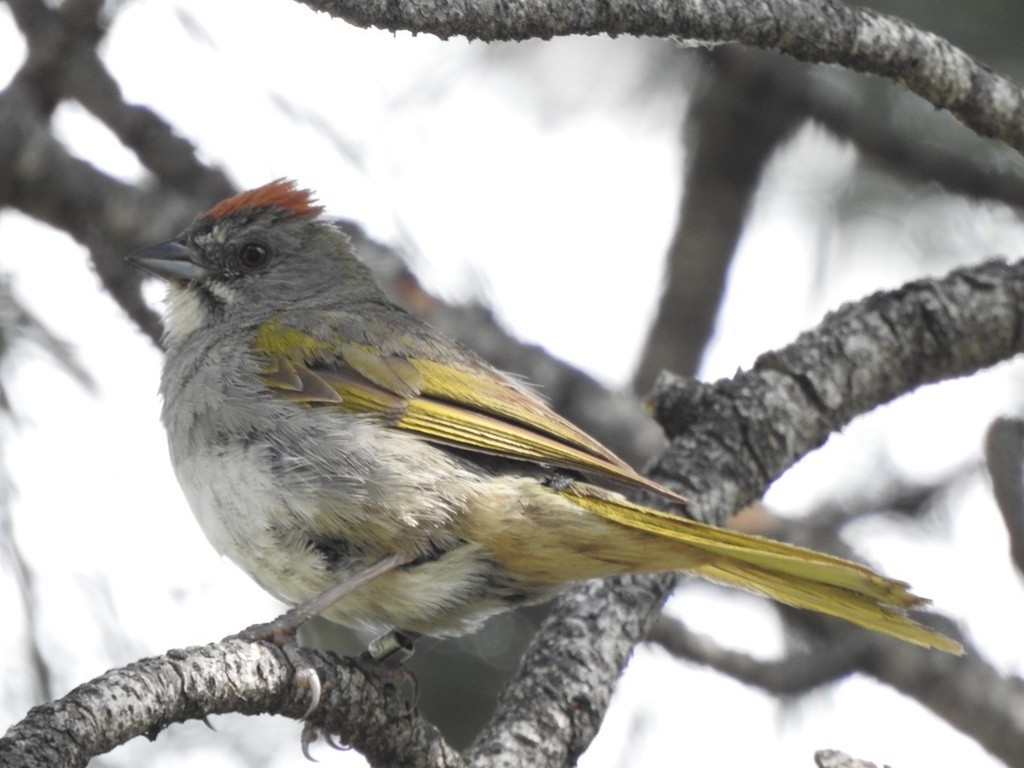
[[260, 251]]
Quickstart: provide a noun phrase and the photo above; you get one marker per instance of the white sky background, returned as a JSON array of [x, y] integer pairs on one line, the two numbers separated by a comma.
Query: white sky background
[[553, 196]]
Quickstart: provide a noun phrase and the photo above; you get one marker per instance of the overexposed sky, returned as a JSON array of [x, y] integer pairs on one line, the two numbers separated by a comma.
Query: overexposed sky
[[547, 186]]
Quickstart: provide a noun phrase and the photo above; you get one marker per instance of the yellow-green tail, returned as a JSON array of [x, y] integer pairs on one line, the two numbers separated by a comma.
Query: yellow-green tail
[[792, 575]]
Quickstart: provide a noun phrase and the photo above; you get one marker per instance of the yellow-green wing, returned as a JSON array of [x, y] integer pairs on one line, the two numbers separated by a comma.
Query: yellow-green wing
[[463, 404]]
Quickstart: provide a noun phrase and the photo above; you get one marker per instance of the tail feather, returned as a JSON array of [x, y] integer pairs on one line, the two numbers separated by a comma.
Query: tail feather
[[792, 575]]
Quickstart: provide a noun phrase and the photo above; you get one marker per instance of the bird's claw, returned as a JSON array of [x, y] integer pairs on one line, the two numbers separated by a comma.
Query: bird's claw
[[306, 675], [333, 744], [281, 633], [311, 733], [383, 658]]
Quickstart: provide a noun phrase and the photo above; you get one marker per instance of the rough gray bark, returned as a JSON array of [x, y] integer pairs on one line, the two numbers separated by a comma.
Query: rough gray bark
[[831, 758], [149, 695], [818, 31], [741, 433], [554, 707]]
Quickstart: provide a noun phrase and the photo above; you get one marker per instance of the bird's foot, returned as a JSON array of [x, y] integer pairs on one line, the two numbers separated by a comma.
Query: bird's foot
[[282, 630], [282, 633], [385, 657], [311, 733]]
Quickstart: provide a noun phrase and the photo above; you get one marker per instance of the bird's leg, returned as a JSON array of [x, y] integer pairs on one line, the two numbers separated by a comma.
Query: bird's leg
[[281, 631]]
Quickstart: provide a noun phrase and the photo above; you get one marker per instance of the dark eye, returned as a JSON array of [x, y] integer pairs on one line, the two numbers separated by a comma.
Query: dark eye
[[253, 255]]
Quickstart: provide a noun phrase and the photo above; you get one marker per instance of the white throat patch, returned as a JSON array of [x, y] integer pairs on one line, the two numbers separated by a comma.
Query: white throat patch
[[185, 312]]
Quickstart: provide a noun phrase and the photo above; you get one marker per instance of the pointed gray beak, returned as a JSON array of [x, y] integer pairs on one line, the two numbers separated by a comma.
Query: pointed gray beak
[[170, 260]]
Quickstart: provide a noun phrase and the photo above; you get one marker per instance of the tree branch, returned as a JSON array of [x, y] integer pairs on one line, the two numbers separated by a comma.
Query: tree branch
[[730, 440], [64, 64], [739, 116], [834, 649], [45, 181], [1004, 457], [967, 692], [910, 155], [793, 674], [147, 696], [818, 31], [833, 758], [551, 711]]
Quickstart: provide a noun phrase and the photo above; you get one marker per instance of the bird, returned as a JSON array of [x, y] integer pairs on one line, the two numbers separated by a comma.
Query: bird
[[362, 466]]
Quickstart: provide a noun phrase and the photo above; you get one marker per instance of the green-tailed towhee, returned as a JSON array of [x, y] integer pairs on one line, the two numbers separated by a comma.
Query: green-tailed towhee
[[324, 437]]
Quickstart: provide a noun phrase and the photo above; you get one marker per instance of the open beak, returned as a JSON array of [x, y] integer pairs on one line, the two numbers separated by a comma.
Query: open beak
[[170, 260]]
